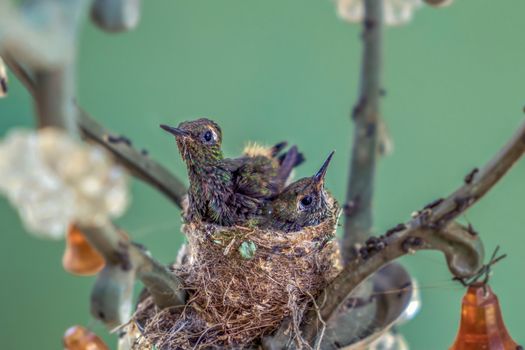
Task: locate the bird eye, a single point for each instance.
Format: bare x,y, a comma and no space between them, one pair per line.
306,201
208,136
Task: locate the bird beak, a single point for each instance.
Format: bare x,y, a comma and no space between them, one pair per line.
319,177
175,131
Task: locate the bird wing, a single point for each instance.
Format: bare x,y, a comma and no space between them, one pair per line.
287,162
253,177
283,162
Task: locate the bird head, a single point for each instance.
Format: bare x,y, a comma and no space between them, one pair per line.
305,201
199,141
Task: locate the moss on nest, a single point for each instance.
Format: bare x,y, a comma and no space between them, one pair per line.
242,283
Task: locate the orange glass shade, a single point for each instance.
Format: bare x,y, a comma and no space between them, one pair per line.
481,326
79,338
80,258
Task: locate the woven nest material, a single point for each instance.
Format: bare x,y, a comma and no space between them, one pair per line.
242,283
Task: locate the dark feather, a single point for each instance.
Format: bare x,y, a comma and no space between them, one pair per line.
276,149
286,167
299,159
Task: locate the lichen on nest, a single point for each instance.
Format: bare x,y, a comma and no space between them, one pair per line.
242,282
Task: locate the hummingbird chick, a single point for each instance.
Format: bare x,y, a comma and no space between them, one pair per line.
303,203
226,191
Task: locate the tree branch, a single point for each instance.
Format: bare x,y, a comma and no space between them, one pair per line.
358,206
48,74
54,98
42,35
138,163
23,76
431,228
165,287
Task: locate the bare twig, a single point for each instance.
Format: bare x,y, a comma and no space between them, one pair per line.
42,35
125,260
138,163
430,229
54,98
43,58
358,206
23,76
164,286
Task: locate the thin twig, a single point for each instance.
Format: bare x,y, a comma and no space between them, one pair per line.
165,287
21,73
430,229
162,284
138,163
53,92
43,58
365,150
483,272
317,345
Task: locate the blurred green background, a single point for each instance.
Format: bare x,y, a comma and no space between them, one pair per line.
288,70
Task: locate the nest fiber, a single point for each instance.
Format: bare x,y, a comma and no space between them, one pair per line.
242,282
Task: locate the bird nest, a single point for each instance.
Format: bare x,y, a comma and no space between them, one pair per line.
242,282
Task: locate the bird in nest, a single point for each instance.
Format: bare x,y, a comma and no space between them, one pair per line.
303,203
227,191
